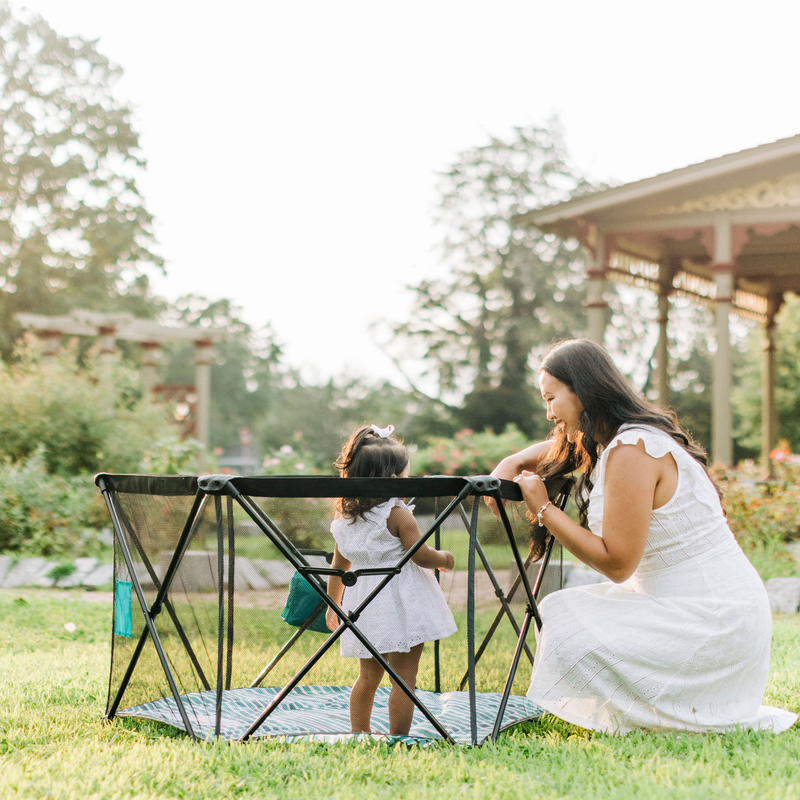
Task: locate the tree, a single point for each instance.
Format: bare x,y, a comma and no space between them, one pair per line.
509,291
318,419
74,231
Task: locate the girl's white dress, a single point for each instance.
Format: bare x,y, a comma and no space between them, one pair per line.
683,644
410,609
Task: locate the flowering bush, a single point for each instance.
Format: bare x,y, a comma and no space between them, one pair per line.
764,515
289,460
467,453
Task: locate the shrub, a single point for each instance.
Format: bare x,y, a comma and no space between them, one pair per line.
764,515
86,415
47,515
169,455
293,460
467,453
306,521
64,419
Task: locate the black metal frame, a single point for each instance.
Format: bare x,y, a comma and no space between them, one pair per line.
243,490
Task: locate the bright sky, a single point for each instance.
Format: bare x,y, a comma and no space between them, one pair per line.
293,147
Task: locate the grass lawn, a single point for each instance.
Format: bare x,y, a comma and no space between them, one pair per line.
53,687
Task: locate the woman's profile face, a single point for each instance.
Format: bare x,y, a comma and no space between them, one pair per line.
563,406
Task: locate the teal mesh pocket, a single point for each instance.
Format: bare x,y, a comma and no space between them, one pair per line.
123,621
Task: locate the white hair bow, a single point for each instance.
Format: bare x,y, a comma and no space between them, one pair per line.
383,432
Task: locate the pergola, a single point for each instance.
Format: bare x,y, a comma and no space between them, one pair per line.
725,231
151,335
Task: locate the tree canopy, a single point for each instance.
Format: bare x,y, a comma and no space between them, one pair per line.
508,290
74,230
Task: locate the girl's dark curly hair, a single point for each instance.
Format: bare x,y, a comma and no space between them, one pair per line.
608,403
366,454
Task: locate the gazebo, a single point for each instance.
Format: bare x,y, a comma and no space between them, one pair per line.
724,231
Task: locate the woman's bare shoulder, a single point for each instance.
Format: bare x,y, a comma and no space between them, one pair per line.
631,457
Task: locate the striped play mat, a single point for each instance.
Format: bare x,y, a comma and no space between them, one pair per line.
321,713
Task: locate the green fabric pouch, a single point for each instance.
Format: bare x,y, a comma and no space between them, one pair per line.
301,604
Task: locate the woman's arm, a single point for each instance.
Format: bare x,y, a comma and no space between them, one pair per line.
401,523
528,459
335,588
513,465
632,479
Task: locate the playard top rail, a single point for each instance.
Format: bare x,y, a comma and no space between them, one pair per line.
317,486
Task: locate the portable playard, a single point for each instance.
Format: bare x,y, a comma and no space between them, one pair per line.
219,605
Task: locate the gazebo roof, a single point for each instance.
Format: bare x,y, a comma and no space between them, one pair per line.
671,218
633,200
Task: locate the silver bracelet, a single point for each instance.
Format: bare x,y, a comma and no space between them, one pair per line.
541,511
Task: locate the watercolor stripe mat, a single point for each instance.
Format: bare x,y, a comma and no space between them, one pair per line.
321,713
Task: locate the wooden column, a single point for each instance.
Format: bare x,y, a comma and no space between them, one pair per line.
202,364
724,278
769,411
665,275
595,304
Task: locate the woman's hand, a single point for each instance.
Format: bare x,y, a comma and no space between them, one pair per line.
331,619
534,492
505,470
514,465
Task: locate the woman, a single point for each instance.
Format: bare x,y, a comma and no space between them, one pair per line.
680,639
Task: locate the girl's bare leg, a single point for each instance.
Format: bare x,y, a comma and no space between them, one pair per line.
401,707
362,695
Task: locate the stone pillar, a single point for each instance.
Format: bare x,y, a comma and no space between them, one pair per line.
724,279
665,274
151,353
769,411
595,304
202,362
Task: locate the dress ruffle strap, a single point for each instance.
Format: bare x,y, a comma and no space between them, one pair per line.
656,445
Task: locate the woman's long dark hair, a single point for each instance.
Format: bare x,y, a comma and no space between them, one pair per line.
367,454
608,402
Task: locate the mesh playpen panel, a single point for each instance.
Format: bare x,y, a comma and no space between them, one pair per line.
213,563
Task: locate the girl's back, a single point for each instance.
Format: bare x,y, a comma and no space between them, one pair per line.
410,609
366,540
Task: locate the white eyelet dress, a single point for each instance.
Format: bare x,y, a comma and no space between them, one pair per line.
683,644
409,610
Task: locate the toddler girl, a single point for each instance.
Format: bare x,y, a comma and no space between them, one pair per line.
411,609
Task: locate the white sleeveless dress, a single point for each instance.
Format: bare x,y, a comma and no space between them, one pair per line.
683,644
409,610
